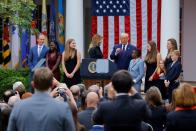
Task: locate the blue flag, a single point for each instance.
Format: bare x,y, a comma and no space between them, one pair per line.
24,47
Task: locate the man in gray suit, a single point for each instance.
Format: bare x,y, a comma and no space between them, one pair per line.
41,112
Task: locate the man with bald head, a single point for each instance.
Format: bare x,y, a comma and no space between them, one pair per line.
121,53
85,117
37,53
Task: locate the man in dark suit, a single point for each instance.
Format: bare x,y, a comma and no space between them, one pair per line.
173,73
121,53
41,112
37,53
124,113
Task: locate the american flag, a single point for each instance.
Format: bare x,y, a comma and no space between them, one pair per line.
141,19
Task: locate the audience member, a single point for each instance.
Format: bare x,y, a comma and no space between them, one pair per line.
26,95
71,59
7,94
184,116
123,113
85,117
136,69
13,100
154,100
19,87
41,111
75,90
94,50
121,53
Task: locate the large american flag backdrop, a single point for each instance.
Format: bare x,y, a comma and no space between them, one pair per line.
141,19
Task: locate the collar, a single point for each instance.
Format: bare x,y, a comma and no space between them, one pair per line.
121,94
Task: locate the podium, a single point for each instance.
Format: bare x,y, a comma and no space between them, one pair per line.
97,71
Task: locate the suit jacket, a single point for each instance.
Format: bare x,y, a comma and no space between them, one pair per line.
183,120
136,69
123,58
33,55
95,52
123,114
41,113
173,71
85,117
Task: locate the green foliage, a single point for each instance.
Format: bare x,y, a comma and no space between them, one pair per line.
19,12
8,77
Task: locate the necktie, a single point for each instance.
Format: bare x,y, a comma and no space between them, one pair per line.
123,47
39,50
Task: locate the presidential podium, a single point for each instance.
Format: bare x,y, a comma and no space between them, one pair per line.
97,71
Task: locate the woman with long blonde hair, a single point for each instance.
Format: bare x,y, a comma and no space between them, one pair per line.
71,59
152,60
94,47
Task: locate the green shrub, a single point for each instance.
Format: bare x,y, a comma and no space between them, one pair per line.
8,77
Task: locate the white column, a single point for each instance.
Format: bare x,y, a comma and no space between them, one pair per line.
170,23
74,23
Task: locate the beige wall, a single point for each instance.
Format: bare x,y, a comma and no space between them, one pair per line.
189,40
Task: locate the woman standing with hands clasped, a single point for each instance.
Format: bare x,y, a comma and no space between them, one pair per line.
152,60
71,59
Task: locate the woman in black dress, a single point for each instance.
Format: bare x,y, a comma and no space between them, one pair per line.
94,47
71,59
171,46
152,60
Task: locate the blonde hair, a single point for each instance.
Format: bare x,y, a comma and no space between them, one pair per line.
151,56
96,39
68,52
185,96
153,96
176,52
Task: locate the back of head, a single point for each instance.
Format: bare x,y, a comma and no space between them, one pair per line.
122,81
26,95
18,86
92,99
153,96
93,88
42,79
12,100
75,89
185,96
7,94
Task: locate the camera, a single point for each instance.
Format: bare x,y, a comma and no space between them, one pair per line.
62,93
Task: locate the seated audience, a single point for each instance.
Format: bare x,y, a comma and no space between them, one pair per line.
41,111
85,116
75,90
154,100
26,95
184,116
19,87
124,113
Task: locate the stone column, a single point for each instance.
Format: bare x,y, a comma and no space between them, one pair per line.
170,23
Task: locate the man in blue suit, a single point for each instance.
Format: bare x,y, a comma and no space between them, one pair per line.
121,53
41,112
37,53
